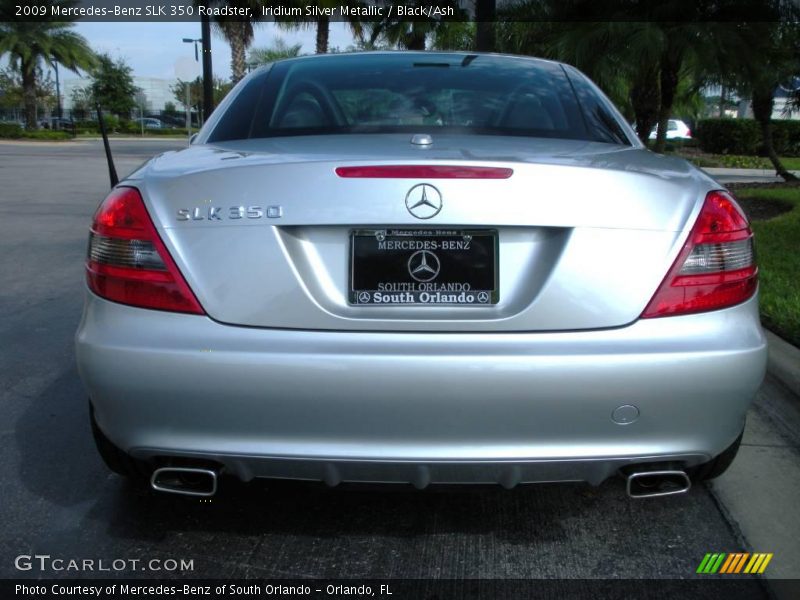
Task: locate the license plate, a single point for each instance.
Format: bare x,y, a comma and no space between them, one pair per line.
425,267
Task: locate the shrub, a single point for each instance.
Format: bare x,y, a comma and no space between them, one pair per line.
129,127
728,136
734,161
14,131
10,130
786,137
743,137
112,123
46,134
168,131
87,127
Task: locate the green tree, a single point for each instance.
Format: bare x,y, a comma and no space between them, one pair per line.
29,45
321,23
238,32
644,55
239,35
112,86
195,87
457,35
618,55
773,49
12,93
195,93
277,51
82,101
392,32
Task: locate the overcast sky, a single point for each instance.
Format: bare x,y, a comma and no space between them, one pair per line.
152,49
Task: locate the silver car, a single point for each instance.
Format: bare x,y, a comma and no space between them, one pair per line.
420,268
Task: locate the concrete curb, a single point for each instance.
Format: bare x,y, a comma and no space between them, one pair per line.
784,362
738,172
78,140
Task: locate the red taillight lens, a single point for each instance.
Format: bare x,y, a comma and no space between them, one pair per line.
128,262
716,267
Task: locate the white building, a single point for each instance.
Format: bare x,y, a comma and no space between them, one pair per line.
156,91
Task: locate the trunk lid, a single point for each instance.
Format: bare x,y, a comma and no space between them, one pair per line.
261,229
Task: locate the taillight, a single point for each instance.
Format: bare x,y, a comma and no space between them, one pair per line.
716,267
127,261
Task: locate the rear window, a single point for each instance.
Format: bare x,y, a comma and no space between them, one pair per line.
397,93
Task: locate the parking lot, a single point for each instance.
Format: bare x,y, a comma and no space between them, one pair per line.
60,500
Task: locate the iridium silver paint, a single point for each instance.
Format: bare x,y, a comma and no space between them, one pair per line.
560,380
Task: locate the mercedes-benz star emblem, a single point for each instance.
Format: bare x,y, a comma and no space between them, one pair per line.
424,201
423,266
364,297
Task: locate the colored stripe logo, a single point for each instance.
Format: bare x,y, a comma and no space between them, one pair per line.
733,563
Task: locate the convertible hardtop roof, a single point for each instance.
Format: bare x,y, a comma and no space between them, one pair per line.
423,53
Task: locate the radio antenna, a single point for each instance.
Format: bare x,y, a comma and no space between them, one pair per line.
112,172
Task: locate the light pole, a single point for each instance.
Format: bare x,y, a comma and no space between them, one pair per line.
189,85
141,98
208,77
58,95
195,42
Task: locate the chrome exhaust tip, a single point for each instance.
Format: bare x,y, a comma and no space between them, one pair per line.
187,481
652,484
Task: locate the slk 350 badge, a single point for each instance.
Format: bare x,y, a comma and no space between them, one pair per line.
218,213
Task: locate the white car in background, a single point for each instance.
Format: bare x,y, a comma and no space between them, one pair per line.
676,130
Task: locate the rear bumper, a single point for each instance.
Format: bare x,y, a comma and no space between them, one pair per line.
420,407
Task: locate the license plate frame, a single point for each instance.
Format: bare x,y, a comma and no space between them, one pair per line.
424,267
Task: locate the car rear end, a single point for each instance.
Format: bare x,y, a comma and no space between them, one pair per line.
418,303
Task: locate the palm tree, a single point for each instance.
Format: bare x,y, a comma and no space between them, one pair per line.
277,51
770,59
620,57
321,23
410,34
457,35
485,34
238,32
30,44
239,35
642,62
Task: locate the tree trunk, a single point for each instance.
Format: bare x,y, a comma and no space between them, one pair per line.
485,12
29,93
762,112
670,72
644,96
723,92
416,38
323,30
238,60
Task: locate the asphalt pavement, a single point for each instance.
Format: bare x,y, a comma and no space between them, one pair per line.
60,500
